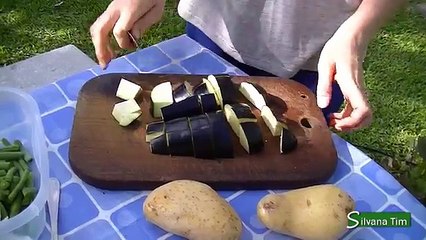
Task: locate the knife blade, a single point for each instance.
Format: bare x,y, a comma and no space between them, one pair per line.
133,39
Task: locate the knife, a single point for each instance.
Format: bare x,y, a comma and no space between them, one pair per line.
133,39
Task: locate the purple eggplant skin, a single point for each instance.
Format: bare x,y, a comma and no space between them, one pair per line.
159,146
185,108
242,110
208,102
181,92
254,136
202,137
288,141
222,138
177,124
180,143
227,88
155,127
200,89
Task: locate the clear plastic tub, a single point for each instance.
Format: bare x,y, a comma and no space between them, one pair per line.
20,119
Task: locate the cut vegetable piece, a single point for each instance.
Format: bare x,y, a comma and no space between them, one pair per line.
127,90
222,139
158,145
161,96
288,141
182,92
243,112
208,102
126,112
154,130
185,108
178,124
211,89
252,94
215,84
251,138
201,89
180,143
232,119
271,121
202,137
227,89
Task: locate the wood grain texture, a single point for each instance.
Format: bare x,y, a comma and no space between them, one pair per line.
109,156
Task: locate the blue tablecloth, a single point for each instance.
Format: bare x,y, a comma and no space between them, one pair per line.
90,213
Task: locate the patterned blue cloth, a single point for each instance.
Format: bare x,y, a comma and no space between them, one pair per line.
90,213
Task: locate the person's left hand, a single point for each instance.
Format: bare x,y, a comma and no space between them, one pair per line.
341,60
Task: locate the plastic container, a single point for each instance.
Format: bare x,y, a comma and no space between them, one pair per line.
20,119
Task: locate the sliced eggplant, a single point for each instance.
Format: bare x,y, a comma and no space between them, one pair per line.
176,125
251,138
222,139
208,102
227,89
201,89
185,108
182,92
243,112
288,141
158,145
154,130
213,87
161,96
271,121
180,143
202,137
252,94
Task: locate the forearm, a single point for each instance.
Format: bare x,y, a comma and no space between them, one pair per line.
371,15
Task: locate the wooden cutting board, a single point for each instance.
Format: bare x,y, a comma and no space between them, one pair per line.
109,156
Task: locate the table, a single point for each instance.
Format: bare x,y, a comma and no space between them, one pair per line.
90,213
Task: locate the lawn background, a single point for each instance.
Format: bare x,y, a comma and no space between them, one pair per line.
395,70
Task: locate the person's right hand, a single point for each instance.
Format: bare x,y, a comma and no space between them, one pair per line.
121,17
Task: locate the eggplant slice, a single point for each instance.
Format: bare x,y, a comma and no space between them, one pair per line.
227,89
202,137
222,139
159,146
243,112
185,108
288,141
181,92
208,103
251,138
201,89
154,130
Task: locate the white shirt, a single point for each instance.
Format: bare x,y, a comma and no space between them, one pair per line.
278,36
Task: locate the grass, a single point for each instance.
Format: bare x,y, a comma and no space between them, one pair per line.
394,70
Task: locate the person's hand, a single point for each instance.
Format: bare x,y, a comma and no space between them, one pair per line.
341,60
122,17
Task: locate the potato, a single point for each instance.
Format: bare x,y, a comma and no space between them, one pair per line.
192,210
311,213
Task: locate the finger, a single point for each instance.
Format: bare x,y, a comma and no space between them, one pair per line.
99,32
146,21
347,110
355,97
326,70
124,24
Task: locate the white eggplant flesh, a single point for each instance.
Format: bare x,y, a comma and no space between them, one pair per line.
161,96
212,79
271,121
252,94
127,90
126,112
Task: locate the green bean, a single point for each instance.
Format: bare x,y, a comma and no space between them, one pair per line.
10,173
2,172
19,167
19,186
23,164
16,205
4,184
5,165
3,211
28,192
27,156
30,180
5,142
11,155
11,148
